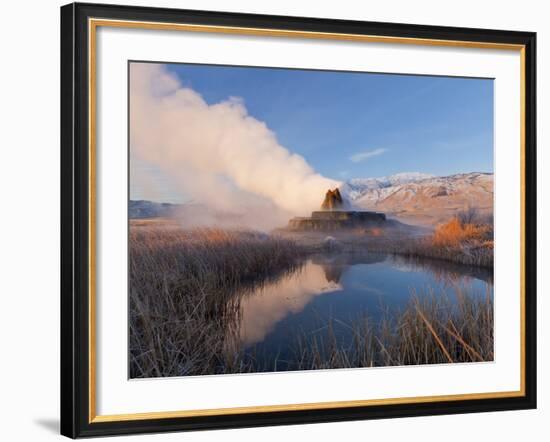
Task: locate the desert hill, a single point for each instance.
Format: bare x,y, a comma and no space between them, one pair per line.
423,199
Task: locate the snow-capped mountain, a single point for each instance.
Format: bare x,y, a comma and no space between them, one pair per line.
422,198
355,188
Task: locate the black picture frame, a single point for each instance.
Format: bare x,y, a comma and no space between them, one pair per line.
75,220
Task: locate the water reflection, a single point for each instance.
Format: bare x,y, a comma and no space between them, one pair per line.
270,303
446,272
341,287
334,265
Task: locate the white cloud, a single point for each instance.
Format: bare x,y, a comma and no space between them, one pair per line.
365,155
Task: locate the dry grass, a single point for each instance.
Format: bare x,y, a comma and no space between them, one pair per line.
454,233
465,239
432,329
183,312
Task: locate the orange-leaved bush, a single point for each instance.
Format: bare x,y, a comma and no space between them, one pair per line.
454,233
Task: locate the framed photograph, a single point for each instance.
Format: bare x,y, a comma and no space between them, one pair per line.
274,220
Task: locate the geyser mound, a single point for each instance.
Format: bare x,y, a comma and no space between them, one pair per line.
333,217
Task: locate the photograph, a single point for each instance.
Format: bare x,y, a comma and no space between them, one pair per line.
284,219
275,221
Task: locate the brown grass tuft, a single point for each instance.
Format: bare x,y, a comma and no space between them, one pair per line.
454,232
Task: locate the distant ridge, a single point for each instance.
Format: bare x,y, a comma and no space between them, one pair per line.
421,198
149,209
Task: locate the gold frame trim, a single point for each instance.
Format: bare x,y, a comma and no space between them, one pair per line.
93,24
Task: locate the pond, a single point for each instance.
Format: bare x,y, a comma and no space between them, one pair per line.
318,301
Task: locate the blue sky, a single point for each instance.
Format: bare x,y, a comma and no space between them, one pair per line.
353,125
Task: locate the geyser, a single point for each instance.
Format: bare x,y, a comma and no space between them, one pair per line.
330,217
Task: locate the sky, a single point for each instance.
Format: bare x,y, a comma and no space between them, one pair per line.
355,125
436,125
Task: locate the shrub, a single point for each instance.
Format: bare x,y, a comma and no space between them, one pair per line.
455,232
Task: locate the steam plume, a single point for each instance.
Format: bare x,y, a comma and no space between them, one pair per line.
217,154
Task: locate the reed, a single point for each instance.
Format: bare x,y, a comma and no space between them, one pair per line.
183,311
432,329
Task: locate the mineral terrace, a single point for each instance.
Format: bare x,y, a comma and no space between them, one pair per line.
333,216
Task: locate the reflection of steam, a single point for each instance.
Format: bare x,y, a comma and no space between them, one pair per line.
217,154
273,302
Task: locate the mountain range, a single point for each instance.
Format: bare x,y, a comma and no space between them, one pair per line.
138,209
420,198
